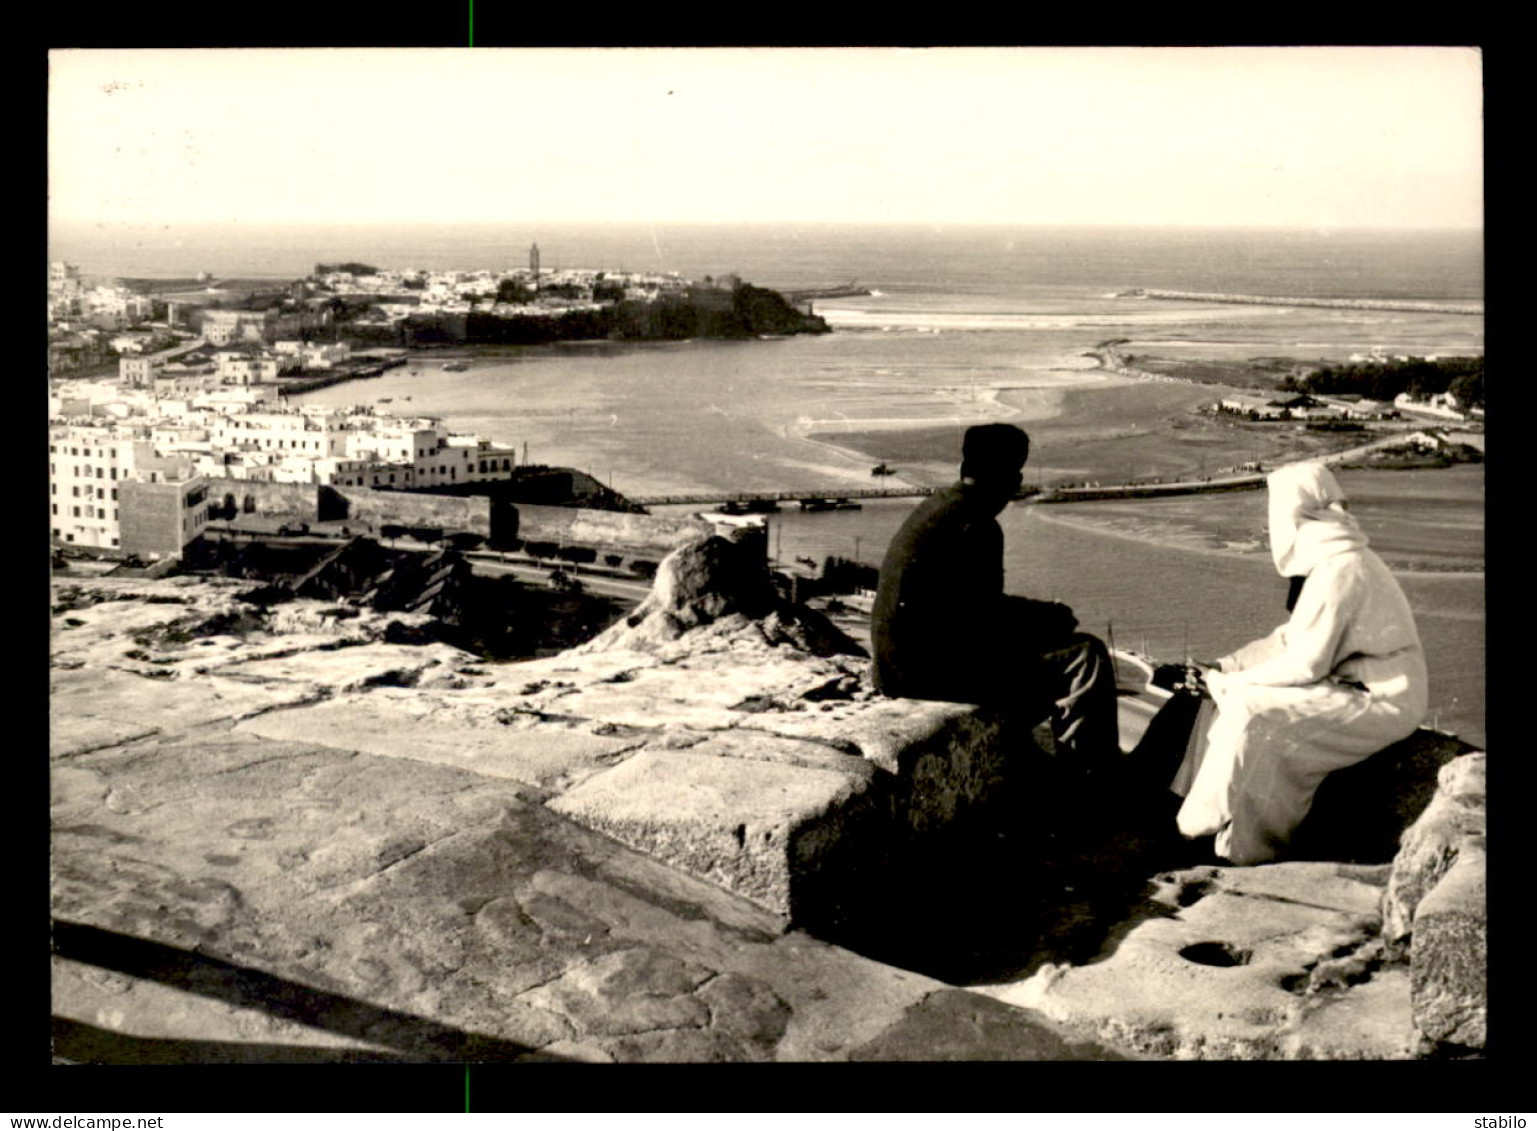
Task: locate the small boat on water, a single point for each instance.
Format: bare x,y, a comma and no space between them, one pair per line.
882,469
455,366
749,506
830,505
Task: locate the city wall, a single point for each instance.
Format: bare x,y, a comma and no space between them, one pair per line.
652,536
290,500
615,531
452,513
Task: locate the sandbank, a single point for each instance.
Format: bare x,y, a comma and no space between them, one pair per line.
1173,535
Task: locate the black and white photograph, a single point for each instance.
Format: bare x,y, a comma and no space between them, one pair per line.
766,555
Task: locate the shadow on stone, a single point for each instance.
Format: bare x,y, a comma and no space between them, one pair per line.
1056,870
1360,812
241,986
80,1043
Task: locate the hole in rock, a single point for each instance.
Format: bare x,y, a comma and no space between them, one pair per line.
1215,954
1296,983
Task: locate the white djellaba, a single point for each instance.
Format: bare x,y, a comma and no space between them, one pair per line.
1343,678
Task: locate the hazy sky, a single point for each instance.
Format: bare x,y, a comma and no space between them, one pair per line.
1336,137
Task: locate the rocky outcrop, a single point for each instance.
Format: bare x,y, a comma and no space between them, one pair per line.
1435,906
1431,845
1449,960
719,587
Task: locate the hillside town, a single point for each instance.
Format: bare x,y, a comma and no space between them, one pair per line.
162,392
92,322
155,398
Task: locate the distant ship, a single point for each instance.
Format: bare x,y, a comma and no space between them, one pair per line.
455,366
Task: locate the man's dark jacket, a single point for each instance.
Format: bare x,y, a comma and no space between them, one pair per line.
941,626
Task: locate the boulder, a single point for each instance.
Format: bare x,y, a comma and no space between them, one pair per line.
1449,961
1360,813
1431,845
722,584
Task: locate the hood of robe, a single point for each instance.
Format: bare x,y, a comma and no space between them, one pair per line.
1308,519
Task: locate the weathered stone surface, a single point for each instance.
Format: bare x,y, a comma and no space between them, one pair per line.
754,826
314,904
376,665
131,660
1449,960
722,583
711,690
765,746
303,842
1368,1019
451,730
747,1009
1431,845
91,708
885,731
951,1025
1227,972
635,990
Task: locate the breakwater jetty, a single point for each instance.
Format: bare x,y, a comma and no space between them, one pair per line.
852,289
1247,482
758,501
1115,361
764,497
1294,300
293,385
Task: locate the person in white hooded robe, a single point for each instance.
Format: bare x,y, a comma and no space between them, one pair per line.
1343,678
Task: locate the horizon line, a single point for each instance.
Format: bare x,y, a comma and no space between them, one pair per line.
1293,225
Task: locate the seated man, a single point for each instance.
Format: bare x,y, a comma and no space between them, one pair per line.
943,628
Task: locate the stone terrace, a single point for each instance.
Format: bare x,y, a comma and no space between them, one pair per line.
278,837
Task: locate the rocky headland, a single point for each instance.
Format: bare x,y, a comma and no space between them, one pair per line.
281,835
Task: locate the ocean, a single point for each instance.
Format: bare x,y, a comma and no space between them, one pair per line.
965,323
990,262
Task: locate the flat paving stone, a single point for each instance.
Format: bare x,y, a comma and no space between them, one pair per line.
753,825
424,728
